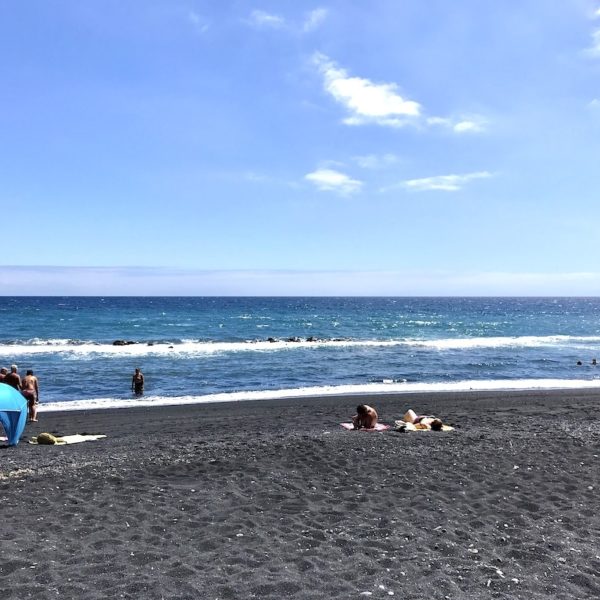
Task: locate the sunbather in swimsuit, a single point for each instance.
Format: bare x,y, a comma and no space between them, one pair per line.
425,420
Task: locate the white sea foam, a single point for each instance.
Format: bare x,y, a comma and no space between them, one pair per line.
530,341
363,389
192,348
184,348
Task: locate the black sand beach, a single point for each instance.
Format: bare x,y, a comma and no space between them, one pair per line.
273,499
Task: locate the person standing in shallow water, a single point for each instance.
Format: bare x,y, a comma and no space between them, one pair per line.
137,383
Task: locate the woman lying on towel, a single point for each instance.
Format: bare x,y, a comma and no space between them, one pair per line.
425,421
365,417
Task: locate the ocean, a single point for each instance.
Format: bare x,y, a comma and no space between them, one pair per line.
206,349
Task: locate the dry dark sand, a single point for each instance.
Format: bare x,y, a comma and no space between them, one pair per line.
274,500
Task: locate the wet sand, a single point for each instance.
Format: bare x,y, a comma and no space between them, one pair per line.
273,499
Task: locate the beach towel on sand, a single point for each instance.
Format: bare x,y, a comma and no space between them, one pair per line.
378,427
404,426
48,439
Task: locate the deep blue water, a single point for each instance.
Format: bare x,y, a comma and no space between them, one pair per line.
197,347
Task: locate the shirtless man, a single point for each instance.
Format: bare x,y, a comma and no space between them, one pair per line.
365,417
137,383
31,391
13,378
3,372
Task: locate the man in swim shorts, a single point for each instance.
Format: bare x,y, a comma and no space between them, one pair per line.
137,383
31,391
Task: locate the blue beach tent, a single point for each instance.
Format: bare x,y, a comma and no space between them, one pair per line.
13,413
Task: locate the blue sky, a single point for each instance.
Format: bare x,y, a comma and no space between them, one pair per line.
293,147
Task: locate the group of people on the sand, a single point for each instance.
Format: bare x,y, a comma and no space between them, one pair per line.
28,386
366,418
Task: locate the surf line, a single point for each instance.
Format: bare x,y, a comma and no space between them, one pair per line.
340,390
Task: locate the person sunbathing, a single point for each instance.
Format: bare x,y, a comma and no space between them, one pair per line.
365,417
426,421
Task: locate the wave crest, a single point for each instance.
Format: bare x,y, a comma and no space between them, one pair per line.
191,348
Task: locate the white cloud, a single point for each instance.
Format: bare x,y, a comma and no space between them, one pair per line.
200,23
264,20
260,18
314,19
468,126
474,124
329,180
374,161
446,183
594,49
367,102
439,121
381,104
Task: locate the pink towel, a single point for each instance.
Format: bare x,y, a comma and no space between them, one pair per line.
378,427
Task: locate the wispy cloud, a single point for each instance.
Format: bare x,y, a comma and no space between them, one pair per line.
374,161
262,19
472,124
314,19
199,23
259,178
255,177
594,49
445,183
329,180
366,101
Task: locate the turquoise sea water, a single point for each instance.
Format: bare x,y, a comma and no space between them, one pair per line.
201,349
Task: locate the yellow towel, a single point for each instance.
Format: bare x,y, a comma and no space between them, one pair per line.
49,439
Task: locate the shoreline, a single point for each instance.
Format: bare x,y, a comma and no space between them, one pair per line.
271,498
475,386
